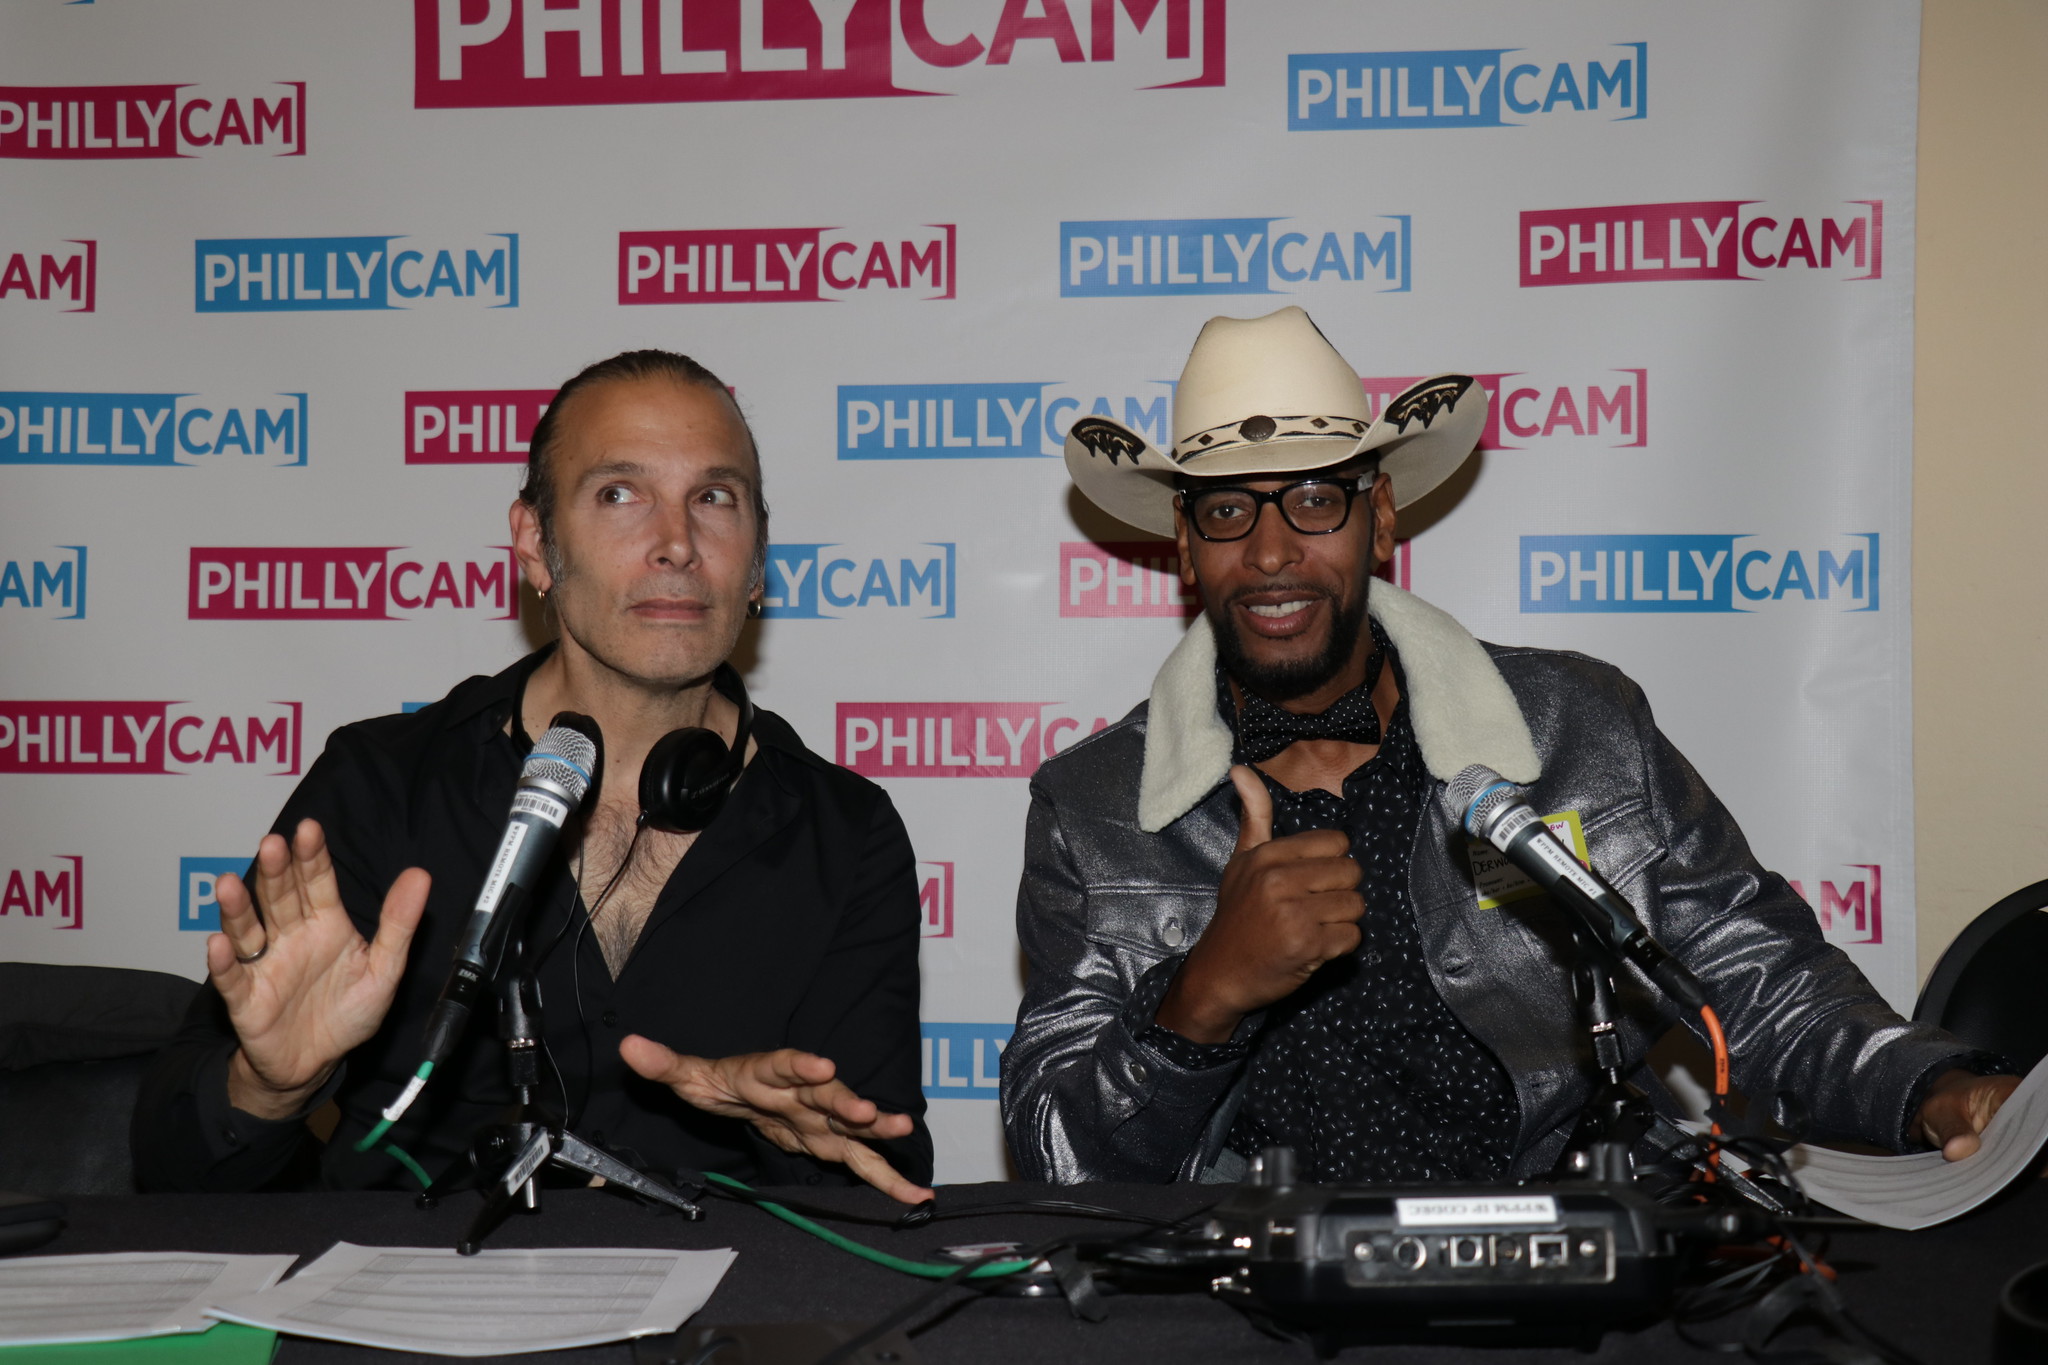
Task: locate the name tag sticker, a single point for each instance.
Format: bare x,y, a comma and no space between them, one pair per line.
1464,1211
1496,881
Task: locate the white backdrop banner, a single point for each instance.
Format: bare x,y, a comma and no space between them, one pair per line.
283,290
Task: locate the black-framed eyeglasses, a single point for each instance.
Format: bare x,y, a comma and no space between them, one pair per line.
1313,507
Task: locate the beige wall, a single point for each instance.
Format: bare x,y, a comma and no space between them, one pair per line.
1980,483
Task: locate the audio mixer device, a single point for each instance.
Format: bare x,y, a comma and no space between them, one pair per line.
1517,1263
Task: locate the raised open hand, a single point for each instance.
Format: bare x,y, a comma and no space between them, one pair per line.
302,987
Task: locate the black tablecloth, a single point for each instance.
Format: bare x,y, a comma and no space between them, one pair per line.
1930,1292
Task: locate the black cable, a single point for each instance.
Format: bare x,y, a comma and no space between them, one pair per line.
570,1114
854,1345
926,1213
850,1348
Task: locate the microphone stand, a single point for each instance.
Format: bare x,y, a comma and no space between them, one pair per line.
518,1147
1616,1115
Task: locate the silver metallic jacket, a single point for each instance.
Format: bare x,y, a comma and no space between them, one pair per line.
1130,829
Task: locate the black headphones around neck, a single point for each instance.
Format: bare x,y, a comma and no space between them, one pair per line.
688,774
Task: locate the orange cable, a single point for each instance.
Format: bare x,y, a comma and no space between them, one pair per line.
1720,1042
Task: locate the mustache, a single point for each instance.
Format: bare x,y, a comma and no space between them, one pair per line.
1287,585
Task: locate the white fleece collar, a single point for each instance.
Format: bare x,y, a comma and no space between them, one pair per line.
1459,704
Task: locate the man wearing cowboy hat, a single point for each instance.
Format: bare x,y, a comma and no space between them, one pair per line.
1252,922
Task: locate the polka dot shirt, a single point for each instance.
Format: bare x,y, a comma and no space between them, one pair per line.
1364,1071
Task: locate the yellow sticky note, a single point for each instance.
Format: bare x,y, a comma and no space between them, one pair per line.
1497,881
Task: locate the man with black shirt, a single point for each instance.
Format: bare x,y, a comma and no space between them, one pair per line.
741,1000
1249,919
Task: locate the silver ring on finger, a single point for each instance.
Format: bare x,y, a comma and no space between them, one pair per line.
246,960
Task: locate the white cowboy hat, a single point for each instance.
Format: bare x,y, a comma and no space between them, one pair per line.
1270,395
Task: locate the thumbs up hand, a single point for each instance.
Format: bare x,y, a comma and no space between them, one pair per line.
1285,907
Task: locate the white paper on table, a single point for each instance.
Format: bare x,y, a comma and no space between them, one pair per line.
50,1300
497,1302
1921,1189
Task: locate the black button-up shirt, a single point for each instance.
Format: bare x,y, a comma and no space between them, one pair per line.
1364,1071
792,921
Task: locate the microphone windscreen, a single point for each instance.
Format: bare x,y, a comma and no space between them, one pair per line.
565,757
1482,785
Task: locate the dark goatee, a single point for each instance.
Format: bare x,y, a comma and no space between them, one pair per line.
1282,683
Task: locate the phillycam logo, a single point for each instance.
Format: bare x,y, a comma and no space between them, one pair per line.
49,892
1124,578
472,53
1544,408
472,426
348,583
1696,573
956,738
64,273
964,1061
51,584
787,265
129,737
1850,909
349,274
198,898
1135,257
828,581
215,430
985,421
935,899
111,122
1496,87
1732,239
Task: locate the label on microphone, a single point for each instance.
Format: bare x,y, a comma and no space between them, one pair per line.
1496,881
501,866
1552,855
527,801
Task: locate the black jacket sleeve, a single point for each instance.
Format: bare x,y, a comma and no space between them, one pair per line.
185,1135
861,1010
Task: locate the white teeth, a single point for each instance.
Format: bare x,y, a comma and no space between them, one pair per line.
1279,609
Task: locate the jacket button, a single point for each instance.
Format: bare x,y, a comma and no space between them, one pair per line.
1171,934
611,1018
1138,1073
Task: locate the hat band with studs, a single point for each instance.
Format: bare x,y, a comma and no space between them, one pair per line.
1261,429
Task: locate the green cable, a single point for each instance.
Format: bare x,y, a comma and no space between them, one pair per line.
398,1107
404,1159
931,1270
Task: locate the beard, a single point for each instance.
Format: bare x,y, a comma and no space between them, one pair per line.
1283,682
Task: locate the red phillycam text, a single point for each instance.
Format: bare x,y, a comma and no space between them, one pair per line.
954,738
1710,239
70,277
472,426
935,899
344,583
133,737
494,53
784,265
56,897
1618,407
119,122
1853,912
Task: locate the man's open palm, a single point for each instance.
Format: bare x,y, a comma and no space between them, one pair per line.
318,990
794,1101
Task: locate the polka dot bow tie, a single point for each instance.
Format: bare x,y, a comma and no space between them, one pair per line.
1263,729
